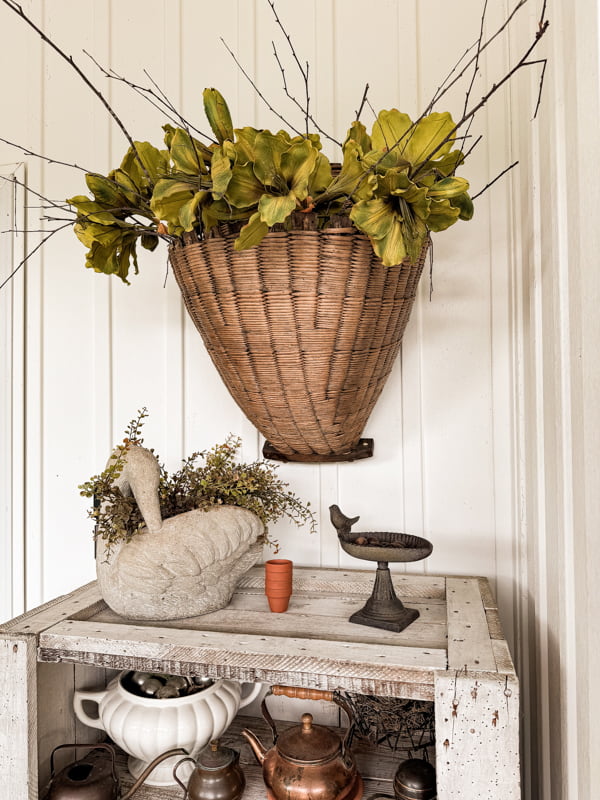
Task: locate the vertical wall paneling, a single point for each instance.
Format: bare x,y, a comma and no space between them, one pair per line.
483,435
12,393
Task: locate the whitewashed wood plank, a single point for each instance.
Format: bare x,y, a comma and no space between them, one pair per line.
372,669
469,644
312,618
350,581
18,718
77,604
487,596
56,723
494,624
477,735
504,662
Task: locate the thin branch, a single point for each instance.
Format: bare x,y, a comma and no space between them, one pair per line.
303,72
491,183
26,151
14,6
477,55
362,102
297,103
543,61
256,89
475,66
160,103
32,252
445,87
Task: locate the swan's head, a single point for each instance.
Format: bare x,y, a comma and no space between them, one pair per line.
140,476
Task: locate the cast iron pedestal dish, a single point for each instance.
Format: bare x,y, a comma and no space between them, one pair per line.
383,609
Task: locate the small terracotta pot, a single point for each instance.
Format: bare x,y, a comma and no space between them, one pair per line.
278,583
278,604
278,566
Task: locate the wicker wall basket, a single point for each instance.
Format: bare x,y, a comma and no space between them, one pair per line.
303,329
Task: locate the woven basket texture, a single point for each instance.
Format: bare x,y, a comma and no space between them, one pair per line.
303,329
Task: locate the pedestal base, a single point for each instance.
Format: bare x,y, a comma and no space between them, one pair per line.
383,609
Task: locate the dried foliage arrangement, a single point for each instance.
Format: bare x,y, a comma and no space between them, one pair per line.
206,479
396,183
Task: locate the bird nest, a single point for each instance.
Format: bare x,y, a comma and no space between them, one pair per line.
401,725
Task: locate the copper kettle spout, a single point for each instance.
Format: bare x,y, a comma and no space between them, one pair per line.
259,750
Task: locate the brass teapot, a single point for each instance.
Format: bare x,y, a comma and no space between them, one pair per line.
217,774
307,761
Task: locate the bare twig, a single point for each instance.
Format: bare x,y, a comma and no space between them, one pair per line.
14,6
157,99
362,102
475,66
256,89
445,86
303,70
32,252
543,25
295,101
491,183
543,61
26,151
477,55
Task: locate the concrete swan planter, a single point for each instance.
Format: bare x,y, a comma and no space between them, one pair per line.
178,567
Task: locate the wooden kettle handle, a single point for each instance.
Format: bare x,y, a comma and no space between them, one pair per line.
302,693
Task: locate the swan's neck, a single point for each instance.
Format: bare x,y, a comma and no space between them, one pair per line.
141,477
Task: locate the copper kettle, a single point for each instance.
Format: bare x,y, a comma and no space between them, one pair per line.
307,761
94,777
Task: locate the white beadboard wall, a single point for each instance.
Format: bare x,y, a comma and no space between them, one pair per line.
465,450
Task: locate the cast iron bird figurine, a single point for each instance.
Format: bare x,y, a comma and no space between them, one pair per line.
342,523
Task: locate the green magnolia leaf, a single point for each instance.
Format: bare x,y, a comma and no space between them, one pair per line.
382,225
115,259
464,204
103,234
357,133
441,215
244,189
154,161
252,233
448,187
91,211
273,208
105,191
220,172
244,144
445,166
373,217
428,134
268,149
149,241
321,176
297,165
395,132
352,179
187,153
129,189
391,127
218,115
188,216
214,211
168,198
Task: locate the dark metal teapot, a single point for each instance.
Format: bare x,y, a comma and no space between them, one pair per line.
94,777
307,761
217,774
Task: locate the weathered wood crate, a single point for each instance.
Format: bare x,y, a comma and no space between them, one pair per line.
454,654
